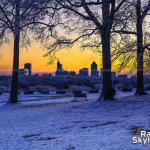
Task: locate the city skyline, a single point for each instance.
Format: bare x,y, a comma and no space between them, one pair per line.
92,71
69,58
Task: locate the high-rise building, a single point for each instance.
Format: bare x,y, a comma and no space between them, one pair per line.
21,72
59,70
59,66
28,69
84,72
94,71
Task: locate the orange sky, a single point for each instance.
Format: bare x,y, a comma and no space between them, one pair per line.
72,58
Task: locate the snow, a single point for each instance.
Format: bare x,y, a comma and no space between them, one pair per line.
60,124
32,97
58,97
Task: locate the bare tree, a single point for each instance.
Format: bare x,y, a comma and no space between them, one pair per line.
88,19
140,15
137,40
16,19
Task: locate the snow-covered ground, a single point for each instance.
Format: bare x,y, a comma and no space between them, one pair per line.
33,97
59,124
37,96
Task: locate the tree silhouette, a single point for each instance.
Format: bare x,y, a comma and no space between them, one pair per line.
98,18
136,27
17,17
140,16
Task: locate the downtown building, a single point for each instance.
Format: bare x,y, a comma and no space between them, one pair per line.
61,72
26,71
94,70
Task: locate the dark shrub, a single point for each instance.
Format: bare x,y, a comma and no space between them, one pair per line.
94,91
80,95
28,92
61,92
147,86
77,92
44,92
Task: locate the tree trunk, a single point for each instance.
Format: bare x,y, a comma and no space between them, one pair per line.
107,90
14,83
140,51
15,72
